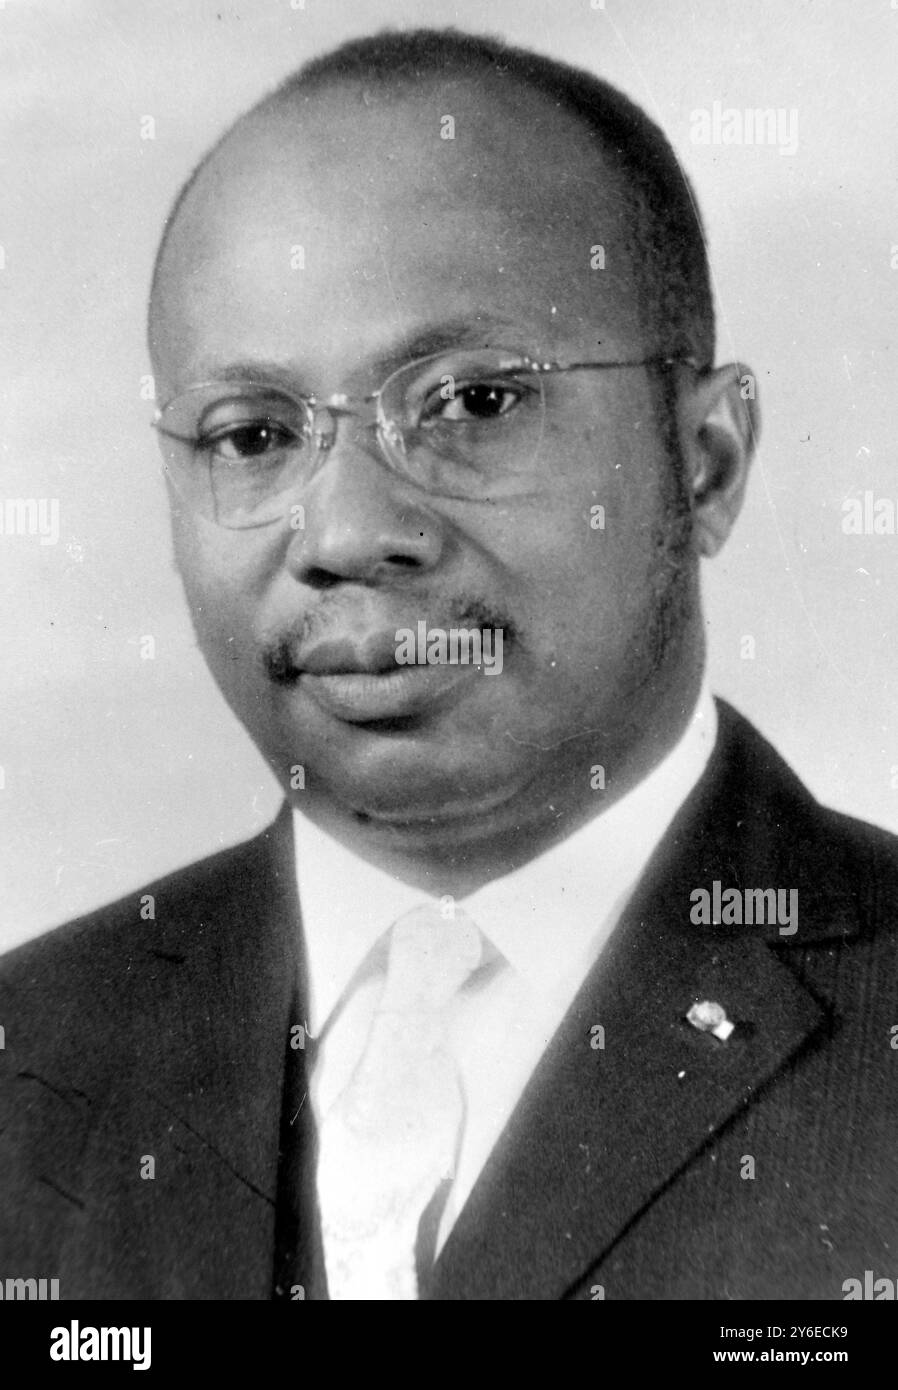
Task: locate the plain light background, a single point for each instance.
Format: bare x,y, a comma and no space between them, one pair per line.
117,768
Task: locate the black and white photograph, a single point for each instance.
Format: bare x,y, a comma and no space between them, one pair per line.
449,735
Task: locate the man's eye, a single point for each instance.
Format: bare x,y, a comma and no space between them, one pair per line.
253,440
477,400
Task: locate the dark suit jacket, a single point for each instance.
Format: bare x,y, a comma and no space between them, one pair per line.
624,1168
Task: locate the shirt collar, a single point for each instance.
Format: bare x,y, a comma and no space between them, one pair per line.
347,904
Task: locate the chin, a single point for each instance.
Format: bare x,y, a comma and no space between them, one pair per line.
402,786
429,808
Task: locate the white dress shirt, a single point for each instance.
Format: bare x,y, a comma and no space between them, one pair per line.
548,921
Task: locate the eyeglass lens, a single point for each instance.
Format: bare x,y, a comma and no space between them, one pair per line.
456,425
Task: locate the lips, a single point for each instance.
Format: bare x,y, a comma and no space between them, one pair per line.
362,698
374,657
360,682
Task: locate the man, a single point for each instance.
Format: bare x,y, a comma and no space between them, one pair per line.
550,980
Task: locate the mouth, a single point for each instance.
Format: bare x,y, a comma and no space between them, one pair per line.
364,697
362,684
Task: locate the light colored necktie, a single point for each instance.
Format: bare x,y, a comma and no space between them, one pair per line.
391,1138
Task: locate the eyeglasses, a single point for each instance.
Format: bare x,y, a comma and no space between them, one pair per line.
466,425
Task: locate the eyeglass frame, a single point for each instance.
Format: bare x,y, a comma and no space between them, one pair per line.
340,403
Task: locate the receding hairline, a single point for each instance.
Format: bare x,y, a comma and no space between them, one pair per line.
387,62
297,90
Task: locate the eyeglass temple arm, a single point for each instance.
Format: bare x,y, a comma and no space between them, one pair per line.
687,361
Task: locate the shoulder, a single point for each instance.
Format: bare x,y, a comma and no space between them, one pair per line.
92,965
753,815
188,891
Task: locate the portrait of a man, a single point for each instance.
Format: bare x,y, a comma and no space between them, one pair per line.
550,979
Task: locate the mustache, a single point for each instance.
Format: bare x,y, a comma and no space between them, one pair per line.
279,651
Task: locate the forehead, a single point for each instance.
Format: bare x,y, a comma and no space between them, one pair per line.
346,218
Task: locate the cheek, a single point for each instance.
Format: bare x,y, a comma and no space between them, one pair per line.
591,551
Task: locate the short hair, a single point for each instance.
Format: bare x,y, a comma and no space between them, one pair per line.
669,251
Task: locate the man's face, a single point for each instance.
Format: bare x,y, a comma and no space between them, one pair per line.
408,240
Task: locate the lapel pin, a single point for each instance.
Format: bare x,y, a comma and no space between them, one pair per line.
709,1017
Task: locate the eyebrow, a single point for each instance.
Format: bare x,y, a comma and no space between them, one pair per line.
453,333
423,342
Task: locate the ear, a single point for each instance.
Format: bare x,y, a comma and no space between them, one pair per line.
719,426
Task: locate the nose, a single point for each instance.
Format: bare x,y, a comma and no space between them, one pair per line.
360,521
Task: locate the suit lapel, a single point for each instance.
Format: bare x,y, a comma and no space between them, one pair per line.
299,1271
195,1093
601,1131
